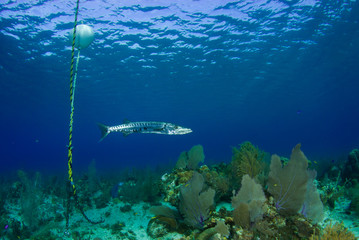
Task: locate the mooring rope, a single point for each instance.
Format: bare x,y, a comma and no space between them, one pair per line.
73,76
69,156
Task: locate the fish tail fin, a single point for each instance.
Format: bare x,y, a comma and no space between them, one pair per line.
104,130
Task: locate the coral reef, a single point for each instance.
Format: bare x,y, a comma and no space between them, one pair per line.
247,159
191,159
30,199
290,213
351,168
293,186
249,202
217,179
221,228
331,190
185,203
353,193
312,207
196,201
288,184
334,232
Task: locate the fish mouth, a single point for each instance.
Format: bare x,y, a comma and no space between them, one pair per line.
182,131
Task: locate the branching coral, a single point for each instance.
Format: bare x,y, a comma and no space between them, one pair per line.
332,190
334,232
248,159
217,180
30,199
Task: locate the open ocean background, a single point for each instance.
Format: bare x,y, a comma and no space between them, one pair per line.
275,73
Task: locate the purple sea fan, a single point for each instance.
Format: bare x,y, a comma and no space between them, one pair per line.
251,194
288,184
312,206
194,203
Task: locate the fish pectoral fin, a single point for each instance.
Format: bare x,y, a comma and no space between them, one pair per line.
125,134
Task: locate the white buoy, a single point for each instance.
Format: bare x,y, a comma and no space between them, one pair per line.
84,36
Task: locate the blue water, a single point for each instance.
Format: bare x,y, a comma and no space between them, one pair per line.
272,72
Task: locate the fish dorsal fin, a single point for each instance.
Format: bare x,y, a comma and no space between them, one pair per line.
125,121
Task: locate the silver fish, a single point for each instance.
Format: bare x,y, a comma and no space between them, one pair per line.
143,127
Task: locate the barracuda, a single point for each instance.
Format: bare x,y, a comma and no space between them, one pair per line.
143,127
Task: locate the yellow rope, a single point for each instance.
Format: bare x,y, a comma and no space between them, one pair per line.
73,76
69,155
72,92
72,100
